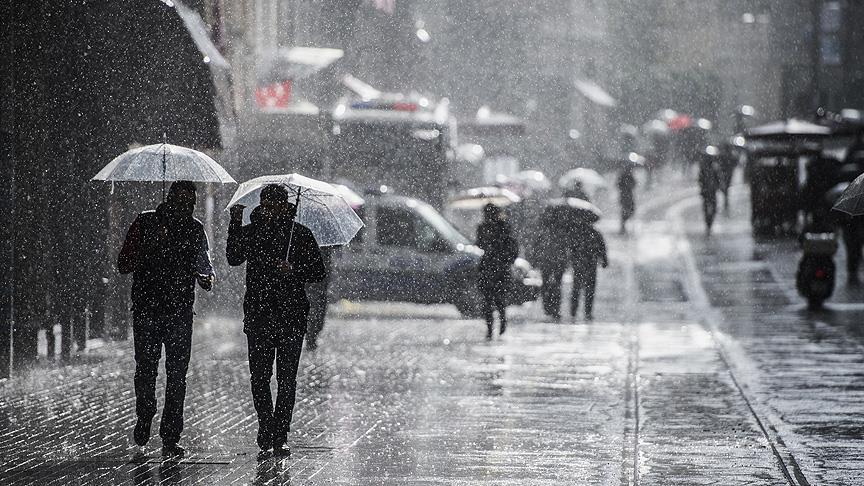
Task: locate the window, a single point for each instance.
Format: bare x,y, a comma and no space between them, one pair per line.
395,227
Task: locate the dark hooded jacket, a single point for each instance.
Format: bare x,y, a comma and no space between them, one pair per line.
164,249
261,245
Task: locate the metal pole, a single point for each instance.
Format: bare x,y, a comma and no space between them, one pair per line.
816,16
293,221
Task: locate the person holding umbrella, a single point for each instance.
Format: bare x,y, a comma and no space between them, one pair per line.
166,251
282,256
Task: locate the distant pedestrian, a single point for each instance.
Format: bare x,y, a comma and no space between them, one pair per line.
587,250
500,250
709,184
282,257
317,294
626,184
549,254
166,251
727,163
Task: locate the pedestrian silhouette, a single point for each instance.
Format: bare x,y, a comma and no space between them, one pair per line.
626,184
281,257
549,254
500,249
587,250
727,163
166,251
709,184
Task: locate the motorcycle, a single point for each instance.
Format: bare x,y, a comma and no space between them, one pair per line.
816,270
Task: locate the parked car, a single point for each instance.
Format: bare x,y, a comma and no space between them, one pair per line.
408,252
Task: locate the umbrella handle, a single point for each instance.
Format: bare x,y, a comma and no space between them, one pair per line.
293,221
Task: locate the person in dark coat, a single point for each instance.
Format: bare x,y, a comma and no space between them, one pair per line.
281,257
587,250
626,184
500,249
727,163
709,184
166,251
317,294
549,254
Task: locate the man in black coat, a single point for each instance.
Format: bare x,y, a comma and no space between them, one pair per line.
282,257
166,251
587,250
500,250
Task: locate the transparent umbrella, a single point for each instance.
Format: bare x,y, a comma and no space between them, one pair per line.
321,207
852,200
163,162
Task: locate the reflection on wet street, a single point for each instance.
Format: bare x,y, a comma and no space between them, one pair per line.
700,368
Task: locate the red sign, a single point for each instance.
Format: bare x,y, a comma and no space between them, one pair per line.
276,95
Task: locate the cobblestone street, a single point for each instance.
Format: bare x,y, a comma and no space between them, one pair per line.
700,368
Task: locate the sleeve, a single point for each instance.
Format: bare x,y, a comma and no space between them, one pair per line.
235,248
204,264
310,266
127,260
601,249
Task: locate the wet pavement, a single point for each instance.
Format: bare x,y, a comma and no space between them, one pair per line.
700,368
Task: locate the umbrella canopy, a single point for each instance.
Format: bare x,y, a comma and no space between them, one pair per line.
787,130
163,162
587,177
852,200
320,206
479,197
354,200
832,195
571,209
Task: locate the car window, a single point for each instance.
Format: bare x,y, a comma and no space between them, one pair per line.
441,226
395,227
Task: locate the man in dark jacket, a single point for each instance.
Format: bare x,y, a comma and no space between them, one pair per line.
500,249
282,257
709,183
166,251
549,253
626,184
587,250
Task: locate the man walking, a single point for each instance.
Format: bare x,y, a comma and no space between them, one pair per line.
282,257
587,250
166,251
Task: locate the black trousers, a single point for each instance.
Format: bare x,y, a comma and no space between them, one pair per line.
551,291
584,279
493,287
150,333
280,337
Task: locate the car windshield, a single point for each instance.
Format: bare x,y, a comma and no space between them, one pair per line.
444,228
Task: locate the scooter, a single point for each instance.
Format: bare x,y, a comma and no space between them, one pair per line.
816,270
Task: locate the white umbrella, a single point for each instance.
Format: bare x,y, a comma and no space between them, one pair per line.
587,177
163,162
321,207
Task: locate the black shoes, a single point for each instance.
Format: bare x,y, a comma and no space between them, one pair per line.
142,432
173,451
281,450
